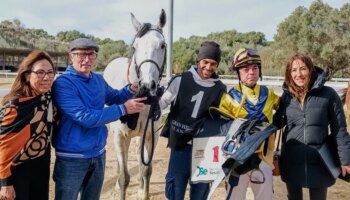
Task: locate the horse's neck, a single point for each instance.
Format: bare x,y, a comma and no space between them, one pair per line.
131,72
116,72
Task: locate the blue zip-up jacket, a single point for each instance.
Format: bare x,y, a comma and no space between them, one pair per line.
82,113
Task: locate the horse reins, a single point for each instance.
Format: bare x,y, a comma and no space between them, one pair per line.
153,102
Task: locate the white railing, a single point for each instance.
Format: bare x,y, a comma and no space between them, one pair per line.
281,78
337,83
7,74
226,79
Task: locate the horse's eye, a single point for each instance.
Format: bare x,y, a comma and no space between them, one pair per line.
162,46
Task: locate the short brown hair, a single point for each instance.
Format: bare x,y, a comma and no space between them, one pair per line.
21,87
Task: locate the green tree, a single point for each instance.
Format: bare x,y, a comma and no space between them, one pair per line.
68,36
321,31
110,50
186,50
39,33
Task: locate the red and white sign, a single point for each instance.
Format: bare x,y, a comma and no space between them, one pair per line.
207,158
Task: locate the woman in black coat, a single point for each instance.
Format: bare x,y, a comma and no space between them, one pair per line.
309,110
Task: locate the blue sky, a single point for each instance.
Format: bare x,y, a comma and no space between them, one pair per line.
111,18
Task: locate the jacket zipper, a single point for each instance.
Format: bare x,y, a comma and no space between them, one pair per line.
305,152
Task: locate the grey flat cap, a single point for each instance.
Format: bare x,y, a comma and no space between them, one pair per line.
83,43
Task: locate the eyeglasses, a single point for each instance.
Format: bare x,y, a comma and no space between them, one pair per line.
83,55
42,73
257,176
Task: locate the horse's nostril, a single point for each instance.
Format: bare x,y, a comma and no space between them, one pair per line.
144,88
153,85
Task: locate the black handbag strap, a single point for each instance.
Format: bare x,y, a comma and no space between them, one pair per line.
279,139
283,100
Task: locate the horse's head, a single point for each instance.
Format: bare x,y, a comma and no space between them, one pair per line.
149,53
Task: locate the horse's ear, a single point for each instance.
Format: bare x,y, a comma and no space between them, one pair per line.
137,25
162,19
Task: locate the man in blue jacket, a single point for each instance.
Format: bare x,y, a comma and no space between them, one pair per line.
80,96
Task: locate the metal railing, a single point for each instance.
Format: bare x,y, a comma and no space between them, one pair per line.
227,79
281,78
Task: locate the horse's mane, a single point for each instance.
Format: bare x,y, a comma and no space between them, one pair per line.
144,29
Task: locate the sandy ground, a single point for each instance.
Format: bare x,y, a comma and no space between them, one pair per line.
339,191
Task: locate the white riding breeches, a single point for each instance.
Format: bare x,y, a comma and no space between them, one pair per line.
262,191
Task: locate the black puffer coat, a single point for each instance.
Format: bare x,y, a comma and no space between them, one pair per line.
307,128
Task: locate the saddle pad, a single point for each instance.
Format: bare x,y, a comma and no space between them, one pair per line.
207,158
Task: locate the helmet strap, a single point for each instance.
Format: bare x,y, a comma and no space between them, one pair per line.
260,72
239,80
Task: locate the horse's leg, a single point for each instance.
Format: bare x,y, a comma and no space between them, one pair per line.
121,143
146,171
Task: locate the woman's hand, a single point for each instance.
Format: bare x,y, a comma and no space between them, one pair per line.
135,105
134,87
345,169
7,192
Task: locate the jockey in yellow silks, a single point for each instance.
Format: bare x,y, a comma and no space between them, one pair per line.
251,101
256,103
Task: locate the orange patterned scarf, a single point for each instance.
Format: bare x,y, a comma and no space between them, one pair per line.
26,126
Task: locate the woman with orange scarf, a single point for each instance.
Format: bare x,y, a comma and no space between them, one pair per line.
26,124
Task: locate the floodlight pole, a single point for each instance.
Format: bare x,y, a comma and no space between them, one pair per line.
169,64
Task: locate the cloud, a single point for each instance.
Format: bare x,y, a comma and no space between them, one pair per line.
111,18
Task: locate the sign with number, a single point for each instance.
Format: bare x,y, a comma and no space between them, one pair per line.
207,158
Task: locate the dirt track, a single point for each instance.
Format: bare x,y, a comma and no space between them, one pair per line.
339,191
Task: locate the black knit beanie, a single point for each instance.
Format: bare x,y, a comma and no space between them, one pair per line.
209,50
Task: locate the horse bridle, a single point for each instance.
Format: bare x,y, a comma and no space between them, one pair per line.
146,28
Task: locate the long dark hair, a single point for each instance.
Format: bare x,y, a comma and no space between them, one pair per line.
21,87
297,91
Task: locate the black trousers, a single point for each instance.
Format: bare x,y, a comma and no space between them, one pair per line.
31,179
296,193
